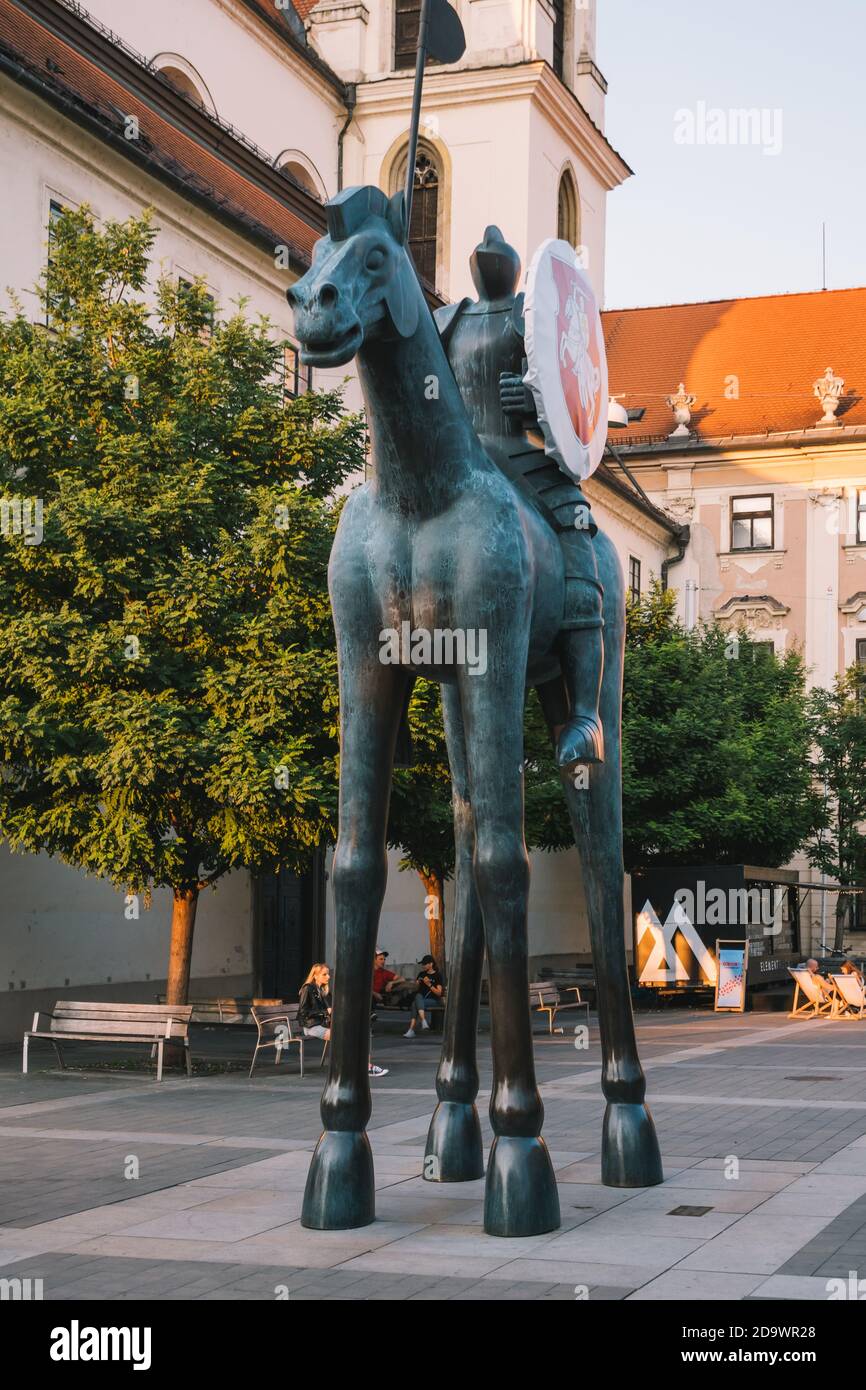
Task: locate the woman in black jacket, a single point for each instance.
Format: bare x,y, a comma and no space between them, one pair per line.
314,1010
314,1003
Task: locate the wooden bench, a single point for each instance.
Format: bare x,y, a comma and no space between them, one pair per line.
228,1010
545,997
94,1021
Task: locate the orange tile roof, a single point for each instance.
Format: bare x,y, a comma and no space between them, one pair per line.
771,349
69,74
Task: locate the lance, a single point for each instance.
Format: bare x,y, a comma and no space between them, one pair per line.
440,36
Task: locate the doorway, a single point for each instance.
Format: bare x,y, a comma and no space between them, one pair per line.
290,928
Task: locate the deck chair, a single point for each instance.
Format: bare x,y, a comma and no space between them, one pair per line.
816,1004
849,999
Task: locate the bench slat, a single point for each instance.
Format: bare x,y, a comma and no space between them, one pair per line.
109,1028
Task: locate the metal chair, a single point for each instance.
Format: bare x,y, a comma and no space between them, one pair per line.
274,1024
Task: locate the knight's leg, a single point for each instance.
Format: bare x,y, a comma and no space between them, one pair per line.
581,652
520,1197
340,1191
630,1151
454,1151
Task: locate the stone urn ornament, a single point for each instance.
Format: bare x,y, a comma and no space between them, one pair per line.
828,390
681,403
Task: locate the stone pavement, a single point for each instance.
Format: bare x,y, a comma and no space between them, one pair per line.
115,1187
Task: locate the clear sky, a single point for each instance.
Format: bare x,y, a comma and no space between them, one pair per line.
708,220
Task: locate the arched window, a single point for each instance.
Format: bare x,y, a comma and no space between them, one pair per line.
424,223
568,210
183,84
184,78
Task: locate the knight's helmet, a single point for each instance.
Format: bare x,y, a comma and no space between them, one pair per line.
495,266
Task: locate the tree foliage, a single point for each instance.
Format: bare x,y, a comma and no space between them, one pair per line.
838,845
167,668
715,744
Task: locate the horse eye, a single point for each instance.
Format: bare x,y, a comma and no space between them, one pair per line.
376,259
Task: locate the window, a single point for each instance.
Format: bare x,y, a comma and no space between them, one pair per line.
424,224
183,84
633,579
861,651
568,210
56,209
559,38
407,19
301,176
296,378
184,286
751,523
763,651
861,516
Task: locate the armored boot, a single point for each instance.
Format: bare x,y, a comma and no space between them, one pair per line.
581,654
580,645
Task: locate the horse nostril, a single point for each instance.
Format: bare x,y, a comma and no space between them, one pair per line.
328,295
294,298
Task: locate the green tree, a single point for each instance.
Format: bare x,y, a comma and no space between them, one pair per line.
167,670
838,845
715,744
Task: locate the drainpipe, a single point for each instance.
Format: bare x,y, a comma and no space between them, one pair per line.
682,540
351,99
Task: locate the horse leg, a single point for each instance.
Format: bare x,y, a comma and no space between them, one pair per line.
630,1151
520,1196
340,1187
454,1151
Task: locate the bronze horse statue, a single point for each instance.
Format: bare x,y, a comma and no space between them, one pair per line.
441,540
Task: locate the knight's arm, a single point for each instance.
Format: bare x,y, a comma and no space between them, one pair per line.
515,398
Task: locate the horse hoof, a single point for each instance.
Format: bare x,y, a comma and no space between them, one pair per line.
630,1155
340,1192
580,741
520,1197
454,1151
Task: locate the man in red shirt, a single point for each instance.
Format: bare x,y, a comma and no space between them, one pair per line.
385,982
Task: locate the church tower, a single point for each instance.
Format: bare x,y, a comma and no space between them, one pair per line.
513,133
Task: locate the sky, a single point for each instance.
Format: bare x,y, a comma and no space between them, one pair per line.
702,219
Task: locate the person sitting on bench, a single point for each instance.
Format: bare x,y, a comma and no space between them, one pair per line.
430,990
388,986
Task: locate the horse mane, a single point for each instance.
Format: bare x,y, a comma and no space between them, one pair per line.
350,210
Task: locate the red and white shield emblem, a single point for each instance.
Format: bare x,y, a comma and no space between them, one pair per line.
567,361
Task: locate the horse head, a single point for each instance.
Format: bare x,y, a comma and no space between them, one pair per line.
361,285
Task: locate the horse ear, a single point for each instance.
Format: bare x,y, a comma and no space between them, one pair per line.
401,298
397,217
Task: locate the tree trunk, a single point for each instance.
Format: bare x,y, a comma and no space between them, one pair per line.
843,914
179,959
434,911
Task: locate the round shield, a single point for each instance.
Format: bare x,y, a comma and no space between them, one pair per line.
567,361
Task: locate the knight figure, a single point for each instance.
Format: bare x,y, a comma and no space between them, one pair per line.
484,341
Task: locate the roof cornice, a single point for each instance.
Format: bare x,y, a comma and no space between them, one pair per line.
666,453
